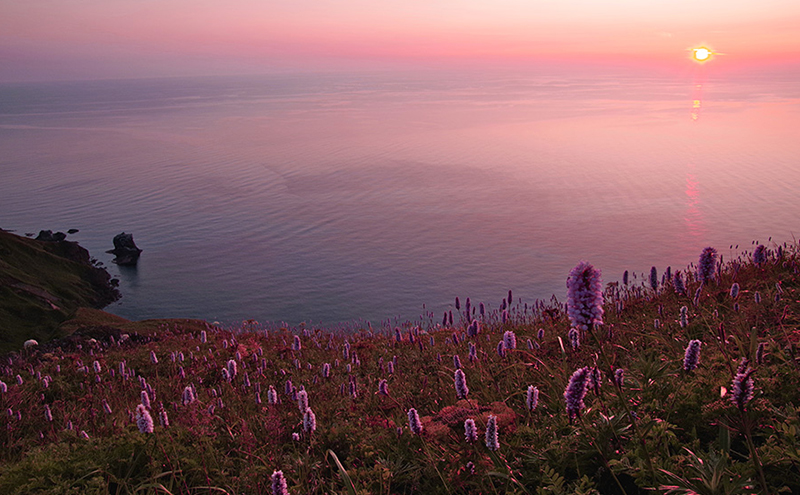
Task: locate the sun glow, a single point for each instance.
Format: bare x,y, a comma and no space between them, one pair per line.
701,54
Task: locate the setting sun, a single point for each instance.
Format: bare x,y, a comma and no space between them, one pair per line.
701,54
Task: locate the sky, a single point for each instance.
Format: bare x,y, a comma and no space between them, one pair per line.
91,39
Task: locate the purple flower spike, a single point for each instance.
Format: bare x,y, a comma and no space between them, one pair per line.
619,377
414,424
492,433
309,421
470,430
742,388
143,419
532,399
707,264
461,384
692,356
760,255
585,296
279,484
677,282
575,392
510,340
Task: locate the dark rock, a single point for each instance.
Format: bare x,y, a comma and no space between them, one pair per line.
73,231
125,250
49,236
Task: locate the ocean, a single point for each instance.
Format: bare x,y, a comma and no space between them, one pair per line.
345,198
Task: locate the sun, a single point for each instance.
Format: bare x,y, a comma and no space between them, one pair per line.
701,54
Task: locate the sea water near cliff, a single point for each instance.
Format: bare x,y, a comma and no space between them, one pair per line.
334,197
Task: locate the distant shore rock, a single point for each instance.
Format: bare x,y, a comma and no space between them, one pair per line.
125,250
50,236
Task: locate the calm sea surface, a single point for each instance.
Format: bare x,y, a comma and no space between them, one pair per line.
332,198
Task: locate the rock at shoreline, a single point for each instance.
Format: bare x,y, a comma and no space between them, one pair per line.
50,236
125,250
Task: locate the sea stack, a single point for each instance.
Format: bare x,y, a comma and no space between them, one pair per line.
125,250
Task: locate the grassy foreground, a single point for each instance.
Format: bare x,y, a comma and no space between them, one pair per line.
229,407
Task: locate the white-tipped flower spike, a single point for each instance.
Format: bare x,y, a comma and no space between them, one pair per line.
692,356
145,399
84,435
414,424
106,407
203,337
492,433
532,399
470,430
279,484
153,358
272,395
48,414
188,396
232,369
510,340
3,387
684,316
309,421
461,384
585,296
143,419
296,345
226,375
302,400
163,419
97,367
574,338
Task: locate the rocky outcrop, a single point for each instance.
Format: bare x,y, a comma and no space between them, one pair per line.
50,236
125,250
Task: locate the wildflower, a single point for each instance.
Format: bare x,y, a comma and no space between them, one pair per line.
501,349
532,399
97,367
595,380
163,419
734,290
296,345
143,419
456,361
346,351
188,396
482,309
656,324
692,356
757,297
473,329
203,337
760,353
383,387
707,264
677,282
470,430
272,395
353,388
575,392
742,388
288,387
48,415
106,407
619,377
505,317
279,484
510,340
473,352
461,384
585,296
529,343
296,437
3,387
84,435
492,441
653,278
326,370
684,316
414,423
153,358
471,467
390,367
540,334
760,255
145,399
574,338
397,335
309,421
19,380
232,369
302,400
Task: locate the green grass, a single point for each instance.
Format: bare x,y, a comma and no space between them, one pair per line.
665,431
42,284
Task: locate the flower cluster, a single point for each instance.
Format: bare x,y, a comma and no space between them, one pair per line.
585,296
575,392
707,264
692,355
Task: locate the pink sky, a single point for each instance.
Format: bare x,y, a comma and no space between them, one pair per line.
82,39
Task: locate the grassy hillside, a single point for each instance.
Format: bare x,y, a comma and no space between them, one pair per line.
42,284
177,406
